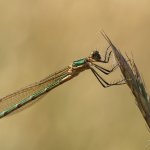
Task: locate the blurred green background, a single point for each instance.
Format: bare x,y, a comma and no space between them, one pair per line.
40,37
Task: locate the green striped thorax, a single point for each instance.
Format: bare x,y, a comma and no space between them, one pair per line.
94,56
79,62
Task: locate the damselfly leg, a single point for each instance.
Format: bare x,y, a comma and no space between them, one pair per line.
107,56
104,70
103,82
97,57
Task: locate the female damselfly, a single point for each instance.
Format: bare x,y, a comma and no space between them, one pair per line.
23,98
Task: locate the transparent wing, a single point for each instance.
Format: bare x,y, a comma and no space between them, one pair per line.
14,98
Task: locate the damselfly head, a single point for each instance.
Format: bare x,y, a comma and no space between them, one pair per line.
95,55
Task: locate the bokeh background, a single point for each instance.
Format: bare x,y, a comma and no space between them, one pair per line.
40,37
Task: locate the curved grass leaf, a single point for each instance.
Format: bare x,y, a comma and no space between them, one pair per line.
133,80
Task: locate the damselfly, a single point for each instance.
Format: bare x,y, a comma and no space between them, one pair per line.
23,98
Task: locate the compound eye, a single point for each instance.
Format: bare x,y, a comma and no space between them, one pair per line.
95,55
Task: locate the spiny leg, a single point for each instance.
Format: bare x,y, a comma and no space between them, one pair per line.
104,70
104,83
106,58
107,71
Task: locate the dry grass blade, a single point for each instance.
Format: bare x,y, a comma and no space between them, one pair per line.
133,80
